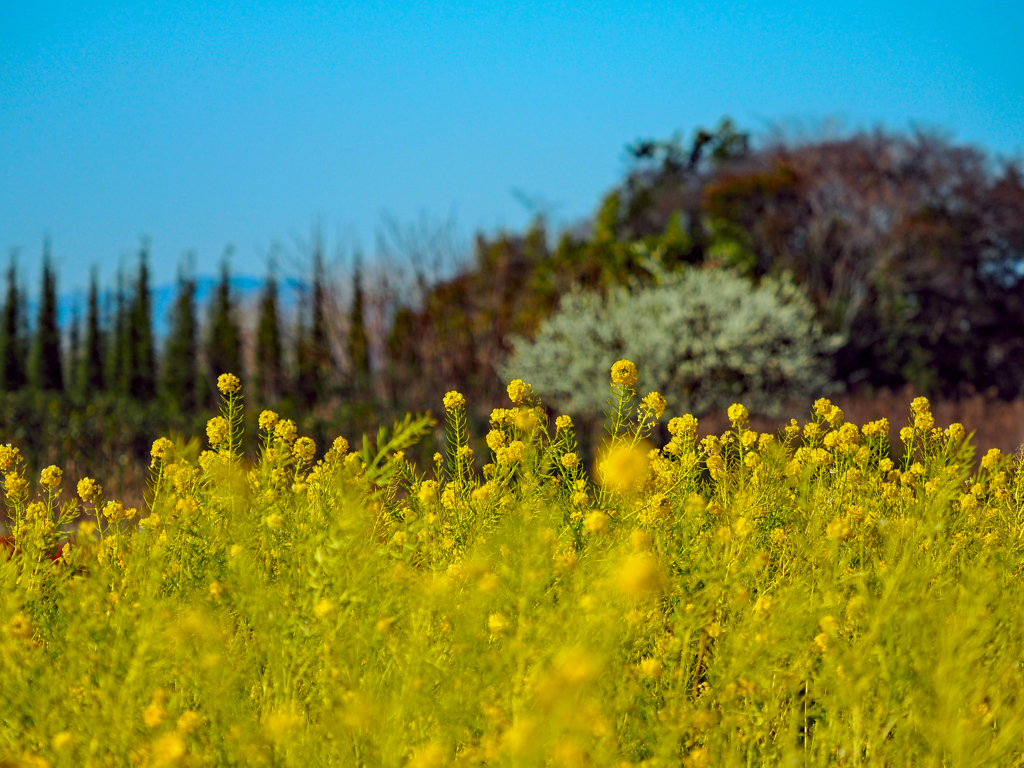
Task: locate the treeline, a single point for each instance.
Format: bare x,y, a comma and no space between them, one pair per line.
112,352
910,247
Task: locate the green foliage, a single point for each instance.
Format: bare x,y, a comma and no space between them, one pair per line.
139,349
117,347
743,599
704,339
181,349
315,365
13,358
46,366
269,373
92,368
223,341
358,342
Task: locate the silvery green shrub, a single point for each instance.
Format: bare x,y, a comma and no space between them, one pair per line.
704,338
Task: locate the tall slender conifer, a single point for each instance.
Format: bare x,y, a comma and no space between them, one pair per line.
13,368
181,369
47,373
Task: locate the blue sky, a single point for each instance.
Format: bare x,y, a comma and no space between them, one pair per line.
200,126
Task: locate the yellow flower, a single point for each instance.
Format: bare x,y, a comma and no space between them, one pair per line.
216,590
563,422
956,433
169,749
495,440
228,383
651,667
155,713
906,434
991,459
324,608
821,407
15,485
285,430
517,390
162,450
622,468
924,421
570,461
427,493
304,449
50,477
655,403
526,420
683,426
624,373
738,415
9,456
189,721
274,521
217,430
514,452
268,419
875,428
596,522
454,401
340,446
115,511
639,576
920,405
497,623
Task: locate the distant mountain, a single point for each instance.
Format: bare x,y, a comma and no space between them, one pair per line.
246,290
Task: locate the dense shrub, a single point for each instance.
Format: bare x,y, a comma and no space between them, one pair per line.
703,338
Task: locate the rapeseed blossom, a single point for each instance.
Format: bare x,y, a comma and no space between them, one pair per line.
50,477
228,384
217,430
304,449
624,373
454,401
267,420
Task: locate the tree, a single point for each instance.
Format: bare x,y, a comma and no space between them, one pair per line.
269,373
358,343
47,373
140,364
91,367
117,354
223,344
13,370
74,356
180,368
315,364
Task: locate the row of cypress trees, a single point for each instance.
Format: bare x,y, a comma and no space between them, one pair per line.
114,352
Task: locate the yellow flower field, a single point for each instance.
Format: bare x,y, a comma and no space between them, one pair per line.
743,599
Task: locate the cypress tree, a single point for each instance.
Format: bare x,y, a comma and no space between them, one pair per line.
269,368
13,373
223,346
140,368
181,370
117,348
358,344
74,353
315,361
92,373
46,364
320,346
